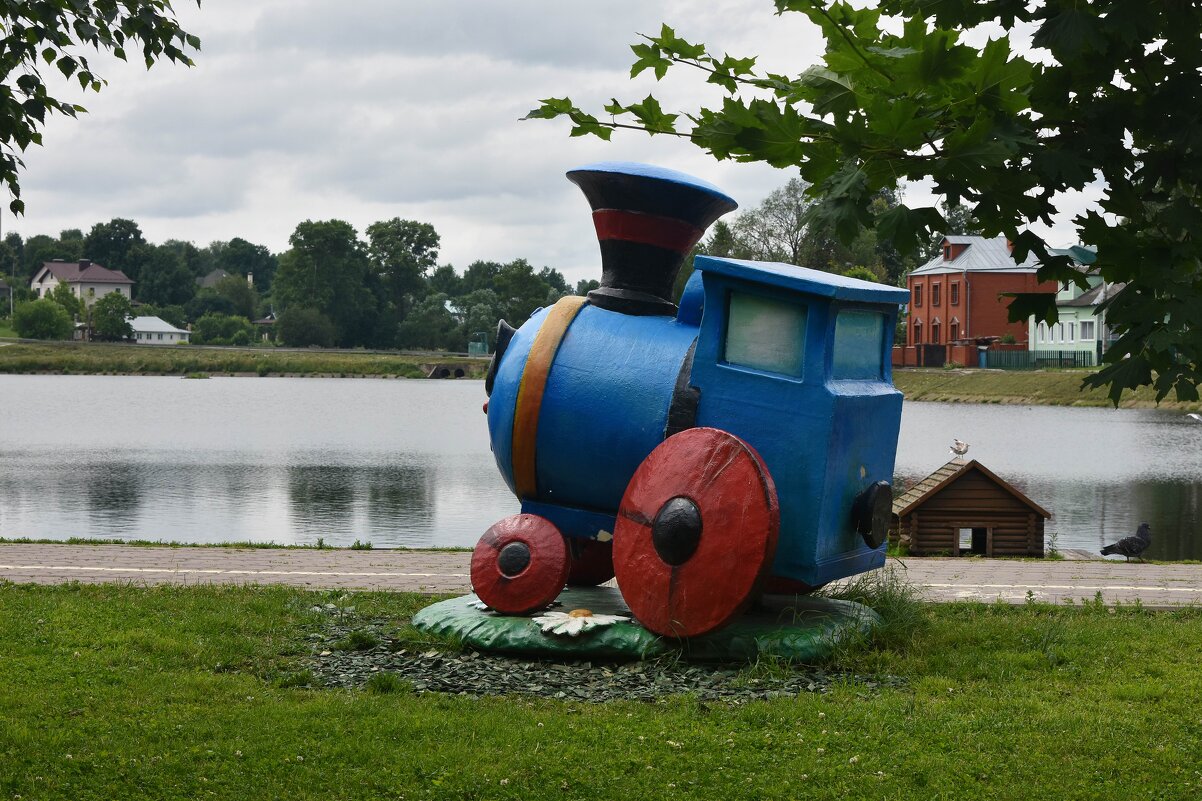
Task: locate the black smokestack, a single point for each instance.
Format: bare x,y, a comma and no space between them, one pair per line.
647,219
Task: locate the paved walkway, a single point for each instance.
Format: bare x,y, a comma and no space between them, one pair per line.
1156,586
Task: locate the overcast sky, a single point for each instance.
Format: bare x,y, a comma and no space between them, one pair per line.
372,109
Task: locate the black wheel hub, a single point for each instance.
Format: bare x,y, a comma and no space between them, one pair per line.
513,559
676,531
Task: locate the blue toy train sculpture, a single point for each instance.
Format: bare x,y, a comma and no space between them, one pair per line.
741,442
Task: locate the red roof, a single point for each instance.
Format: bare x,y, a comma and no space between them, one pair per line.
72,272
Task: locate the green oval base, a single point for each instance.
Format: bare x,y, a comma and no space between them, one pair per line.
796,628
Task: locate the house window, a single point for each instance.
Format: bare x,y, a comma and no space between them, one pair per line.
1041,332
954,293
1087,330
947,252
1060,332
935,334
1072,332
917,338
918,294
160,336
935,294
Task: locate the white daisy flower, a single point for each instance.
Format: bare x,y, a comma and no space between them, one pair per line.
575,622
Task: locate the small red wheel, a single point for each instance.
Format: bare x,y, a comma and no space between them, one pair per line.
520,564
696,533
592,562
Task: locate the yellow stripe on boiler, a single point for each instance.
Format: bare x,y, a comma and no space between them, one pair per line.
530,391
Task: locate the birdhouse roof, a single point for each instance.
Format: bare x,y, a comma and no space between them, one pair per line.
945,476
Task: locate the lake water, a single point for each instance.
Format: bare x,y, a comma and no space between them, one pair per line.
407,463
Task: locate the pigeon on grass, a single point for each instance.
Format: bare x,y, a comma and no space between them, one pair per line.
1132,546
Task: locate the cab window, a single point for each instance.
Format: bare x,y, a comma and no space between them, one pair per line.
859,345
765,334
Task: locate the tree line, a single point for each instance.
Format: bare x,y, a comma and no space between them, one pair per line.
331,288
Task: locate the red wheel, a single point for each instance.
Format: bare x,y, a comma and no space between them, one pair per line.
696,533
520,564
592,562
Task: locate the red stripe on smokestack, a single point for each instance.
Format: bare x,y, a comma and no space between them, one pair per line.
646,229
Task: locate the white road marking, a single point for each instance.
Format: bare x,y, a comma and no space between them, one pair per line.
1126,587
224,572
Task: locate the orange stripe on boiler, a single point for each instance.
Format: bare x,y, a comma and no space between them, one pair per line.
530,391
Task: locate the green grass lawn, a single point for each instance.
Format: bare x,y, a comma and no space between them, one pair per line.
122,692
1037,387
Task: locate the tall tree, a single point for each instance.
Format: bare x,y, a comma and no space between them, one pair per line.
521,290
197,261
400,252
777,229
64,33
445,280
239,257
165,278
327,269
1114,95
42,248
117,245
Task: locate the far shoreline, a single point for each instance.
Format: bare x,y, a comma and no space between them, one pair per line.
957,385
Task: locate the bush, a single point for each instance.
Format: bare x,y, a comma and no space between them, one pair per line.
300,327
222,329
42,319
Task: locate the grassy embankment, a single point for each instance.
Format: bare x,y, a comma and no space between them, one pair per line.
124,692
1045,387
1037,388
99,358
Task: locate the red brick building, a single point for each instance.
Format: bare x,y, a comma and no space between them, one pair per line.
956,295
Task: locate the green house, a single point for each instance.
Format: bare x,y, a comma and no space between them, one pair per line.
1081,333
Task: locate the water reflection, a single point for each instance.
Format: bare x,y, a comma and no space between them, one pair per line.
406,463
1100,472
113,492
398,493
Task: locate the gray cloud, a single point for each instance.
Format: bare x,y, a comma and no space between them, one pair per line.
366,110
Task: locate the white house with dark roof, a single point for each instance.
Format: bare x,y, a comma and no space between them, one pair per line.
87,280
156,331
1081,324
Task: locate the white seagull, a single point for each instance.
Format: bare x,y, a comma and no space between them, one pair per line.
1197,418
959,448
